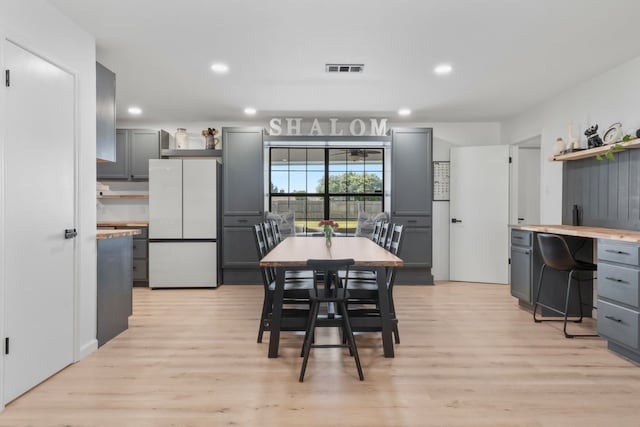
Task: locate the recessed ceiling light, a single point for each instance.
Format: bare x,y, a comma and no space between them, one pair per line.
220,68
404,112
135,111
443,69
249,111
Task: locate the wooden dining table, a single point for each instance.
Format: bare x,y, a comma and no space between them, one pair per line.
292,254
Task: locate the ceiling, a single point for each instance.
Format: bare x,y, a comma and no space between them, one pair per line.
508,55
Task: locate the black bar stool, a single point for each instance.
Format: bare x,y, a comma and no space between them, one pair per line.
556,255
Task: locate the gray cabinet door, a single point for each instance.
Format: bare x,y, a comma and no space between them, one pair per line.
120,168
240,248
411,171
521,273
143,145
105,114
243,171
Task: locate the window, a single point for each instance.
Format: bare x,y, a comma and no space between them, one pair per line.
319,183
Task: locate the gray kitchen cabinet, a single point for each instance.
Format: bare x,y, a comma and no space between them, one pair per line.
244,176
120,167
114,278
411,172
105,114
619,296
243,203
134,148
521,275
411,199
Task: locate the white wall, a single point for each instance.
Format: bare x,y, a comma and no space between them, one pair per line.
39,27
608,98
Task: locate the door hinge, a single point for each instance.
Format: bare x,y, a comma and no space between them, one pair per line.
6,345
7,78
509,262
510,159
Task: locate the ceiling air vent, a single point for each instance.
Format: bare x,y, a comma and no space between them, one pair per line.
344,68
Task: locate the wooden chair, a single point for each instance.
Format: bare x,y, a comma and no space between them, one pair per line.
296,291
557,256
332,293
364,290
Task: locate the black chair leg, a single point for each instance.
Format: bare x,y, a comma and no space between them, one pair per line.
580,303
307,341
566,305
265,308
351,339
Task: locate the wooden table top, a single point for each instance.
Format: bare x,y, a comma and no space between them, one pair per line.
112,234
294,252
584,231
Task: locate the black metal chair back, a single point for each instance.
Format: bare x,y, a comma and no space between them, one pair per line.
268,235
276,231
377,227
384,231
395,239
328,269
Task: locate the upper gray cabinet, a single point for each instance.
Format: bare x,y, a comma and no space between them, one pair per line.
243,171
105,114
134,148
411,170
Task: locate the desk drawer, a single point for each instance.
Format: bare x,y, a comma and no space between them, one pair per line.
521,238
619,283
618,324
622,252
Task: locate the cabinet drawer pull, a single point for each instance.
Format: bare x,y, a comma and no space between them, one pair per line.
412,221
613,318
243,220
616,252
517,237
613,279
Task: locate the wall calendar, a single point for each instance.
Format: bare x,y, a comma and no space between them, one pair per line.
441,181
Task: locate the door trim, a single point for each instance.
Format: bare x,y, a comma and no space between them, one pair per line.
77,245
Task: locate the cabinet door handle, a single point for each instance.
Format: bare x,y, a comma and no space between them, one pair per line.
613,279
613,318
616,252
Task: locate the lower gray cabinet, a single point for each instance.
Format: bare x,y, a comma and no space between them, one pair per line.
521,277
115,276
240,255
415,251
619,296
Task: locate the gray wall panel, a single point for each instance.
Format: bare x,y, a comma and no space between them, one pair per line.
607,191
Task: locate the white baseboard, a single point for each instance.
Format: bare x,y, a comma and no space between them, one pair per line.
87,349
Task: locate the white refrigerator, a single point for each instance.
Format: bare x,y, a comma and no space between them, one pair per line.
183,198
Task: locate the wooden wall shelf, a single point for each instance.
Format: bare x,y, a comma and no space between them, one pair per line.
598,151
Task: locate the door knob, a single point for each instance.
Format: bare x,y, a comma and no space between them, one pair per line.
454,220
70,233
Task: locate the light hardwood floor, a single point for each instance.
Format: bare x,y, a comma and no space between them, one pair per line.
469,357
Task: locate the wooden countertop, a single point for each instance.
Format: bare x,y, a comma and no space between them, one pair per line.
584,231
112,234
123,223
294,252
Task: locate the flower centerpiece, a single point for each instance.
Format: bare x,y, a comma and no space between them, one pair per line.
328,227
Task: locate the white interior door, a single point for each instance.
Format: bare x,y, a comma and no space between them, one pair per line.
39,204
479,185
528,185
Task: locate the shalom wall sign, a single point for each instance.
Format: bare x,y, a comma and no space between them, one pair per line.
294,126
